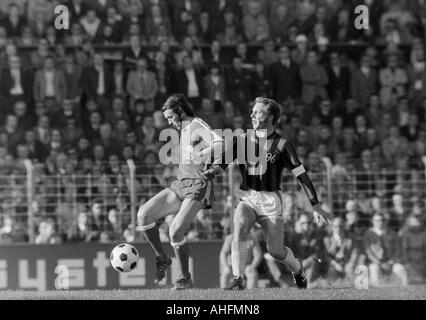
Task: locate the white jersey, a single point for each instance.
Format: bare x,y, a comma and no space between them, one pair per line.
195,137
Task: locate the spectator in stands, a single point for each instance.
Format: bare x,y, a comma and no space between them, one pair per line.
307,247
239,82
81,231
230,37
142,84
98,82
14,22
413,240
26,119
363,82
339,79
213,118
49,84
261,81
339,248
253,19
189,81
254,258
393,81
214,86
314,80
285,77
134,53
10,231
300,53
383,253
16,83
280,20
72,74
47,233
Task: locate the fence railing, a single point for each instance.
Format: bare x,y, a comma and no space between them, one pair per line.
72,200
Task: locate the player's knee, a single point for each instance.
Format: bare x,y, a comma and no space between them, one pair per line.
143,217
176,233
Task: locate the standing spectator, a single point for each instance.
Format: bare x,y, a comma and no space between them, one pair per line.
261,85
213,118
339,79
214,86
119,79
157,17
300,53
363,82
16,83
215,54
164,76
136,17
393,81
98,83
142,84
189,81
382,249
285,77
239,83
49,85
206,27
72,77
417,75
77,9
314,80
253,20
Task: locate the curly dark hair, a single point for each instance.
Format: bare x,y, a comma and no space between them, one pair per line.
179,104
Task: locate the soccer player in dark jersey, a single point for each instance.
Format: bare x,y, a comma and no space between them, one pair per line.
259,197
188,194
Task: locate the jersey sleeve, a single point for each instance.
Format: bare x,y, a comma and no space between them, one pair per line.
295,166
202,130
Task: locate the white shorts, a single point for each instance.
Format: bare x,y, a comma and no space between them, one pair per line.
266,204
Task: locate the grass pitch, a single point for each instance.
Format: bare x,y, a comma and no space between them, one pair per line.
393,293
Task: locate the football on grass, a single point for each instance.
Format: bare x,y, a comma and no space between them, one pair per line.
124,257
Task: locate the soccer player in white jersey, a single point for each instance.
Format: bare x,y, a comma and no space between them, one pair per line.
188,194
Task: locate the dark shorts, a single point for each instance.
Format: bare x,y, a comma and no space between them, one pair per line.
197,189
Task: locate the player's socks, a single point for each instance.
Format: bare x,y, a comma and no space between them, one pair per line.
239,257
182,254
291,262
153,236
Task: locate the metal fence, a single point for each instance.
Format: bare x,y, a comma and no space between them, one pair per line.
29,198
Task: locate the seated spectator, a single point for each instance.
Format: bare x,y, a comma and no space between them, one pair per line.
134,53
189,50
382,249
254,258
339,249
307,247
47,233
413,239
229,37
253,20
11,232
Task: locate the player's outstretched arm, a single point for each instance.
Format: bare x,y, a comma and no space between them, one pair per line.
296,167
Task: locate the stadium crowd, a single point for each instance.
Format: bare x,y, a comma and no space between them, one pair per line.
80,102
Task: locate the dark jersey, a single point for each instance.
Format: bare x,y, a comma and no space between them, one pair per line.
280,154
